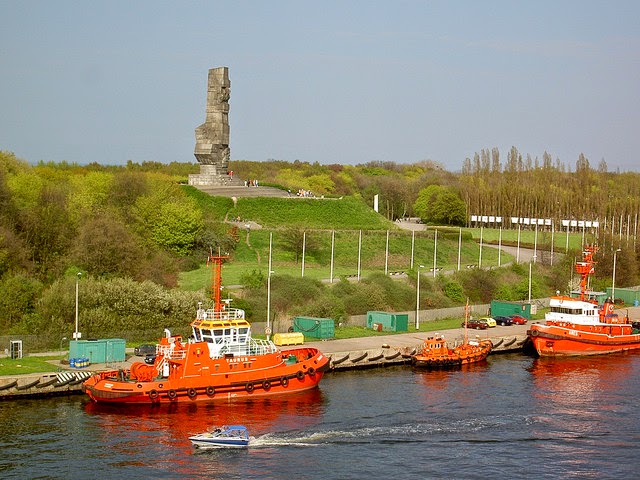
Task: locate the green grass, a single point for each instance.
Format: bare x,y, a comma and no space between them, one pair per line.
252,253
27,365
528,238
311,213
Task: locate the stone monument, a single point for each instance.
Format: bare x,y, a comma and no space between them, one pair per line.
212,137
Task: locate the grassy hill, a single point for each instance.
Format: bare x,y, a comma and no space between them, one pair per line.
311,213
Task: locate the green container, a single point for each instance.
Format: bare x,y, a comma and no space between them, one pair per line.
391,322
312,327
98,351
505,309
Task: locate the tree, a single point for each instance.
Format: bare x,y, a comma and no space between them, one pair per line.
177,226
46,230
105,246
294,240
18,296
441,206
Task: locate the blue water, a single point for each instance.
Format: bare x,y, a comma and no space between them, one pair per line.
511,417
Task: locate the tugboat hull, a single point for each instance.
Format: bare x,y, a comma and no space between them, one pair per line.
119,386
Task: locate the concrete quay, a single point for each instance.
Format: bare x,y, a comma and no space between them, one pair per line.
396,349
347,354
42,384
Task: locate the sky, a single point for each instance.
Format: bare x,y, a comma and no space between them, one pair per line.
345,82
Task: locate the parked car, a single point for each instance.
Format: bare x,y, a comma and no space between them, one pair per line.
490,321
150,359
503,320
144,349
518,319
477,324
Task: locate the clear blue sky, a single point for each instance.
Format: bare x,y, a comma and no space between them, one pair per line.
331,81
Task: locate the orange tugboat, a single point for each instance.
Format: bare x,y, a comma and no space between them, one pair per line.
579,326
435,352
220,362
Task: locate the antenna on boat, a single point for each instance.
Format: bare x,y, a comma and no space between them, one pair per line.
216,279
586,268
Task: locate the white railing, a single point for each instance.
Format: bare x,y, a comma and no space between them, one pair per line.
170,353
226,314
254,347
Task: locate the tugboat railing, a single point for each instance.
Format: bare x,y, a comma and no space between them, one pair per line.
171,354
253,347
226,314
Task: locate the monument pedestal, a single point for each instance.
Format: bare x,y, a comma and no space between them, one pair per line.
209,175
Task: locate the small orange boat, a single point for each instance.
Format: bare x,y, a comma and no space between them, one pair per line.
579,326
221,361
435,352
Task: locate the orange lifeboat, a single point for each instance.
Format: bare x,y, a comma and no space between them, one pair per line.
435,353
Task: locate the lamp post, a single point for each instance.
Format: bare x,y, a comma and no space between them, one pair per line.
533,259
267,330
613,280
418,299
77,335
62,340
435,250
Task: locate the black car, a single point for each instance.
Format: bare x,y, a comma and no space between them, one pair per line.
144,349
150,359
502,320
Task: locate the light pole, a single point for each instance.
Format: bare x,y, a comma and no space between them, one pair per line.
418,299
62,340
533,259
435,250
267,330
77,335
613,280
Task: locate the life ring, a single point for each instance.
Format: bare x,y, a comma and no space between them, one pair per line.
191,393
172,394
534,333
300,375
311,371
284,381
210,391
249,386
153,394
266,385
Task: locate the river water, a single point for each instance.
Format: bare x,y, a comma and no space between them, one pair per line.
512,416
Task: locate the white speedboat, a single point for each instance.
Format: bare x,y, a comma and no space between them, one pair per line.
227,436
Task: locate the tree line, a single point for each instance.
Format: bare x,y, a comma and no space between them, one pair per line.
138,225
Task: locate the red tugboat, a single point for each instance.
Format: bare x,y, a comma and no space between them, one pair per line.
579,326
220,362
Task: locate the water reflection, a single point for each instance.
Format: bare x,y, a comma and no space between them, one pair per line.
182,420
